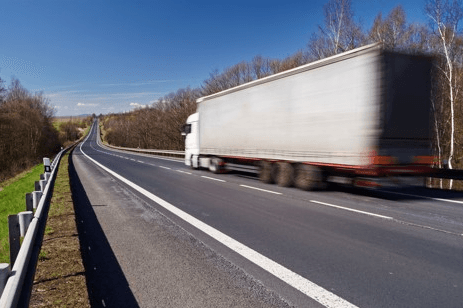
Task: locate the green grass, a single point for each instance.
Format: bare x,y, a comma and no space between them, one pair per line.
13,201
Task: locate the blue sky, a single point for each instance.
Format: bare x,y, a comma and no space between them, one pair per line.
111,56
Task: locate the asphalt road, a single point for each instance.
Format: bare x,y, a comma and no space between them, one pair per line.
183,238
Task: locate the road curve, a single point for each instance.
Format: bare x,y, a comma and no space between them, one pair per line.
387,248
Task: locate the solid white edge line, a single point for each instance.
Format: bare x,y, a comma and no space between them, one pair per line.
269,191
295,280
351,210
206,177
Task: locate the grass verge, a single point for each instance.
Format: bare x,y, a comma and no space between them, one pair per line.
60,276
12,201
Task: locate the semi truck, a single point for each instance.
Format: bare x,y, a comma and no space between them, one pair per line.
362,115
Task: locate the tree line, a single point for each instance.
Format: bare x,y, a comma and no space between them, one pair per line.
158,126
27,133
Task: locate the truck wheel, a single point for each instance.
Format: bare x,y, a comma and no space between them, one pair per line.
308,177
284,174
214,165
265,174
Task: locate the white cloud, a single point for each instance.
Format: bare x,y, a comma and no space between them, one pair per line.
86,105
137,105
83,101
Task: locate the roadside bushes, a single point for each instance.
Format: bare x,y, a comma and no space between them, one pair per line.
154,127
26,131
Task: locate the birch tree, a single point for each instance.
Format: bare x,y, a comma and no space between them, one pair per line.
445,17
339,33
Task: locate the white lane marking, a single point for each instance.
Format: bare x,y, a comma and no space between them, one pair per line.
351,210
164,167
206,177
141,161
437,199
269,191
183,172
295,280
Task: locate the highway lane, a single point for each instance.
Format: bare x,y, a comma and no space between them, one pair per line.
377,249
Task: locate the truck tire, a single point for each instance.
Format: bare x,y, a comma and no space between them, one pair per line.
265,174
214,165
308,177
284,174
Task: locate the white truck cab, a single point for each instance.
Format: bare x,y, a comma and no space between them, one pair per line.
191,133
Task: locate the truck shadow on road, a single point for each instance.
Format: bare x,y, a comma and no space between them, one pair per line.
399,193
106,283
405,193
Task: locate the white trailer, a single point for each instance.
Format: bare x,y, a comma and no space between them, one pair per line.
362,113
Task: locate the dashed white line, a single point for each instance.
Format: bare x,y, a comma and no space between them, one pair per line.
351,210
183,172
164,167
265,190
206,177
141,161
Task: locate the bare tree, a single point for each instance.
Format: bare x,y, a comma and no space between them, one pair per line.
319,47
2,90
156,127
445,17
340,32
26,133
260,67
395,33
293,61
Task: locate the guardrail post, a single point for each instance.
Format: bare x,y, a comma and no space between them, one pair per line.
37,186
13,232
36,195
25,219
4,274
43,183
29,202
47,176
46,164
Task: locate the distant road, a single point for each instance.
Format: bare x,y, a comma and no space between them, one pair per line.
192,238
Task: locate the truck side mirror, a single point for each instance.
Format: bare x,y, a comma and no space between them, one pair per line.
186,129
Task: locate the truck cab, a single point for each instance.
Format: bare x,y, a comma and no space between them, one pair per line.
191,132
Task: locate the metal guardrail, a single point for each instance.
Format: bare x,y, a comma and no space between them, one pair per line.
15,276
172,153
150,151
